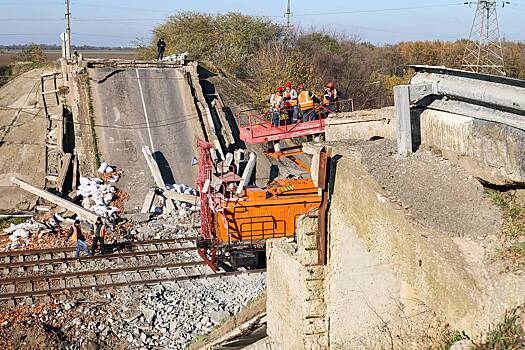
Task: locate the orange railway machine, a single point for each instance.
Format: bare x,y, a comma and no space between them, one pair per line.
234,227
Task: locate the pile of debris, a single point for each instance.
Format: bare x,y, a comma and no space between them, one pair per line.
97,196
163,316
20,235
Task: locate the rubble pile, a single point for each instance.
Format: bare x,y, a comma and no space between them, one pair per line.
176,58
22,235
97,196
166,316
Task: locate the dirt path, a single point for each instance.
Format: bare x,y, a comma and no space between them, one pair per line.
22,138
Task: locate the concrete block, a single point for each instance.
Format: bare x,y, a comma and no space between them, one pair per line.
308,257
315,290
487,150
315,308
314,273
307,241
361,125
316,342
316,326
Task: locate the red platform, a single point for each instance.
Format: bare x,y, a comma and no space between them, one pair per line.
260,130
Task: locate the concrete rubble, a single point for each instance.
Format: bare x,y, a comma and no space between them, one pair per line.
97,196
20,235
166,316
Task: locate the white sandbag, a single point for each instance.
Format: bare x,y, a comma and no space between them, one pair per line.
10,229
103,167
109,170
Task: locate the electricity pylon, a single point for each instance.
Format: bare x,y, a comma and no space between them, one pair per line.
484,51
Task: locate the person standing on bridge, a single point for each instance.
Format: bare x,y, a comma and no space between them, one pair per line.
330,97
161,48
276,106
290,103
307,102
99,233
75,233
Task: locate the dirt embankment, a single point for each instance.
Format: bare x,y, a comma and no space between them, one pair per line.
434,192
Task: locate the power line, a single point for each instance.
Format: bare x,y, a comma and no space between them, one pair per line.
392,9
484,52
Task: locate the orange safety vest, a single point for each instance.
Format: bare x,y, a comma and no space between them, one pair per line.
333,95
103,231
305,101
74,236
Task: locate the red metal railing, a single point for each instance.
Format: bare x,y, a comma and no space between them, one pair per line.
260,128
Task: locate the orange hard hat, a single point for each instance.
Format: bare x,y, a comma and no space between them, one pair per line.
288,85
280,89
300,86
330,85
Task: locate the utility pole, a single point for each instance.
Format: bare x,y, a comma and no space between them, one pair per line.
68,30
484,51
288,15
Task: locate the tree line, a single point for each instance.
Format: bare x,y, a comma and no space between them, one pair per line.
265,54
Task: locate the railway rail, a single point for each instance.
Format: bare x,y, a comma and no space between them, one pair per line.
55,256
55,272
26,289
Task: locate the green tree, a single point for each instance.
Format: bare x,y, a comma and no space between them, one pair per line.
33,54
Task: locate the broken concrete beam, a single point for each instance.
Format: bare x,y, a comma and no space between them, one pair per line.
148,201
157,176
181,197
247,174
62,174
83,213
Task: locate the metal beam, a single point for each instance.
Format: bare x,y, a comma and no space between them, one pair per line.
500,93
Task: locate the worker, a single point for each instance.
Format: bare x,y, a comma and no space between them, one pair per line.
75,233
161,47
276,106
290,103
307,102
330,97
99,233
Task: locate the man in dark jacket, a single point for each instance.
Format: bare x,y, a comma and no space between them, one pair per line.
161,47
75,234
99,233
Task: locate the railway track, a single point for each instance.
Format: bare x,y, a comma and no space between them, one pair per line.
48,287
60,258
48,274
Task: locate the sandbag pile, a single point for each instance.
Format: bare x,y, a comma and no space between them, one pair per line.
97,196
22,232
183,207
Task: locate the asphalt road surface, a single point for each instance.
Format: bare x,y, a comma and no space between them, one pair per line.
22,139
152,107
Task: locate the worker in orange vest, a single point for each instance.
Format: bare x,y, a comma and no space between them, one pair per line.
330,97
290,103
99,233
276,106
306,102
75,234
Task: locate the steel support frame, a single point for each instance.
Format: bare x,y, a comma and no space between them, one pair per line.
291,153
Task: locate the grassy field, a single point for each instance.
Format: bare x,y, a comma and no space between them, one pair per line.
8,57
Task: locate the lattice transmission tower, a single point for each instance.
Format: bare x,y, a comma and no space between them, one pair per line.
484,51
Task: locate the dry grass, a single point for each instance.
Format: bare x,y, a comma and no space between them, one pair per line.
513,239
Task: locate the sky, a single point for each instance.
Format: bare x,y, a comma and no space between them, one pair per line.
124,22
